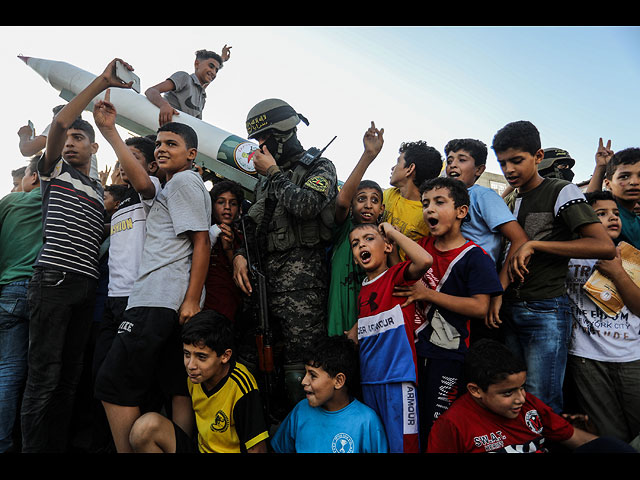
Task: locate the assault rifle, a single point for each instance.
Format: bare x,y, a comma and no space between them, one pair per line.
263,331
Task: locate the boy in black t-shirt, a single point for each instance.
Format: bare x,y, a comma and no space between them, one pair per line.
561,225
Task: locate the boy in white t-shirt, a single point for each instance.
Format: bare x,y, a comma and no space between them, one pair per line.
604,353
128,222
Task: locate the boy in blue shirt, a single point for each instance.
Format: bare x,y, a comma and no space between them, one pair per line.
490,222
331,419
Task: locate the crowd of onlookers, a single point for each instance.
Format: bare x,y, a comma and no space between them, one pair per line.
452,318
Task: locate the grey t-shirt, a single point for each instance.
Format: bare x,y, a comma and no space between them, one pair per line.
182,206
189,95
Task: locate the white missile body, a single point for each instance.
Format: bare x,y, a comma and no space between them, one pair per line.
219,151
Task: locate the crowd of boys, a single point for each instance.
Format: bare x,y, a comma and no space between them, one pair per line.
433,316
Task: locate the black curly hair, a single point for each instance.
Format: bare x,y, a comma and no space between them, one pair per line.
336,354
521,135
489,362
427,160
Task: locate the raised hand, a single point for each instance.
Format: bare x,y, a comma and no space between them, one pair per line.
226,53
373,140
109,74
604,153
104,113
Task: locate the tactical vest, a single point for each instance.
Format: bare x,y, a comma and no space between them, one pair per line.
282,230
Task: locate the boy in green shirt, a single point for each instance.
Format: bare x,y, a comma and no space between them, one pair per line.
358,201
20,242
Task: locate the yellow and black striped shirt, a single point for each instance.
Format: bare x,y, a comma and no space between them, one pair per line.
230,418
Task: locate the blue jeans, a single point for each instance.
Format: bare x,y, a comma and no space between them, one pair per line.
61,313
539,332
14,343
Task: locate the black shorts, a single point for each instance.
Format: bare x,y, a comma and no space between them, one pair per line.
184,443
147,349
113,314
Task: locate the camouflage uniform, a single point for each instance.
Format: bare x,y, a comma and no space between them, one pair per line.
294,260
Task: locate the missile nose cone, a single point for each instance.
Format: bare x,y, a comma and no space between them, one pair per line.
23,58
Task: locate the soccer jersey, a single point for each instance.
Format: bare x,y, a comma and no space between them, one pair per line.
230,418
355,428
461,272
385,330
468,427
128,231
73,220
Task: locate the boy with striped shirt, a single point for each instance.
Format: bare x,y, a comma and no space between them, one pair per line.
62,291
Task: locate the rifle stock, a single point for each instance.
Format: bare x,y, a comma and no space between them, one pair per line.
263,335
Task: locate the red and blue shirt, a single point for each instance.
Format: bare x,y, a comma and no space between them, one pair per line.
385,330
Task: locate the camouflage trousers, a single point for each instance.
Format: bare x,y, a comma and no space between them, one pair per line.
297,319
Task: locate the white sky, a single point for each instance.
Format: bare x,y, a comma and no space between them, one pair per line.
575,84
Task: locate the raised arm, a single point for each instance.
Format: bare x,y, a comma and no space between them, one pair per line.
373,141
104,115
421,260
603,155
72,110
226,53
30,146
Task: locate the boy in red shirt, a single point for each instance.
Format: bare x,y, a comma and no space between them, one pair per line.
496,415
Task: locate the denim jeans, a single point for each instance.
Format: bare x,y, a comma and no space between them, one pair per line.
14,343
61,310
539,332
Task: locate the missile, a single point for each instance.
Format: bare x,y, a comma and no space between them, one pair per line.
220,152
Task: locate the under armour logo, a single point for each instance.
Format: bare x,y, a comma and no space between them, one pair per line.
373,306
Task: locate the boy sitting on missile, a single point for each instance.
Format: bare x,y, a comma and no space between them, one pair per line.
185,92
